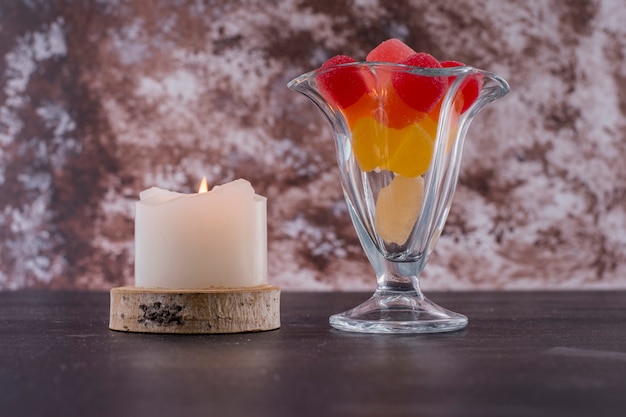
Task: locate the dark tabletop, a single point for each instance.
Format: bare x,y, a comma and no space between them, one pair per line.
523,354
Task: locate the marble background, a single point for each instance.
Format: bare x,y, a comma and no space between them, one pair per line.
101,99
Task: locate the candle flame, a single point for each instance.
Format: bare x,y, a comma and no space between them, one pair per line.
204,187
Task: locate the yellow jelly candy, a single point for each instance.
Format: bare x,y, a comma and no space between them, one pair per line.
365,143
429,125
397,208
411,151
406,151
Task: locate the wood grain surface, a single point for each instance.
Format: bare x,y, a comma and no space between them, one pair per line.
556,354
201,311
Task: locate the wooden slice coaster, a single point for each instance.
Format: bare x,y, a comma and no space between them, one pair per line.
195,311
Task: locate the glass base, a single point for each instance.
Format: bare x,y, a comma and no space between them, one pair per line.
398,313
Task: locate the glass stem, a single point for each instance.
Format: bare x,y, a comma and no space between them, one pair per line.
399,277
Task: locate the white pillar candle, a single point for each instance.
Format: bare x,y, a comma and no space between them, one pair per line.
204,240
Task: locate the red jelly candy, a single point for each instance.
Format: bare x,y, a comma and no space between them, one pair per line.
391,50
470,88
420,92
343,86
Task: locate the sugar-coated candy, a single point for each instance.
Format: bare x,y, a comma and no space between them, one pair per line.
391,50
420,92
343,86
393,115
471,86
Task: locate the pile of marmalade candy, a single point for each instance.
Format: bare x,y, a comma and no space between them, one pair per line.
393,116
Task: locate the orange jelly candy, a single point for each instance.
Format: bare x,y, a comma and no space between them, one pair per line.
365,107
433,119
395,112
